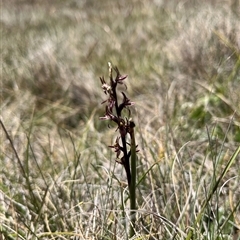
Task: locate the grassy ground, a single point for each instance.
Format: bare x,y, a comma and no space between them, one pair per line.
59,180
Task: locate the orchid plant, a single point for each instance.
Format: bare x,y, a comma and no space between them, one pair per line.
125,151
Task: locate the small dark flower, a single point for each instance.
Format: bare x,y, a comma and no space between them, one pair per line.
106,117
110,116
102,80
106,88
117,148
122,160
122,128
111,103
120,78
126,102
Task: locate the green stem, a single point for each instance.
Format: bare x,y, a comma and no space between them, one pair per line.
133,182
126,162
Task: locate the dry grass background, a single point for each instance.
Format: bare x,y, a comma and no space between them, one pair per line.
183,63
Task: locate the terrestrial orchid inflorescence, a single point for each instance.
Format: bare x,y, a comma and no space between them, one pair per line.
113,112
